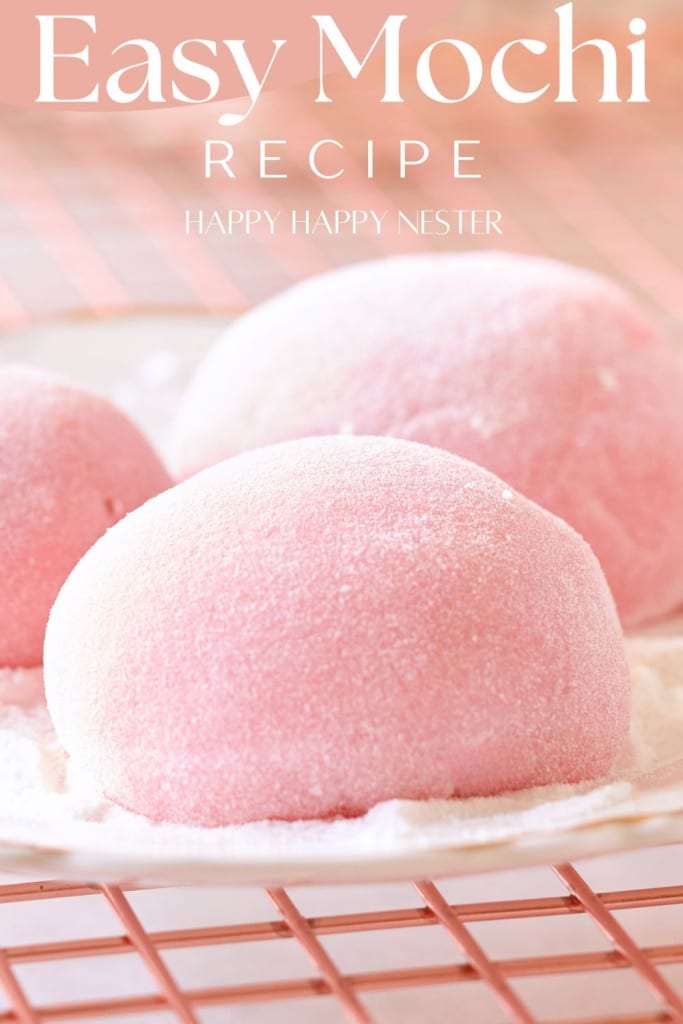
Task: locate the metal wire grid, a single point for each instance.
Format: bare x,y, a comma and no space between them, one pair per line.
348,989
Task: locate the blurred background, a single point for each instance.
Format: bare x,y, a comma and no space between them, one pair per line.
97,274
92,205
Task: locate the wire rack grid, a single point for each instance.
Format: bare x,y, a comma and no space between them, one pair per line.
348,990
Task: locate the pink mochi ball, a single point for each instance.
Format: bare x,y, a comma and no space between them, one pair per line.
311,628
70,466
545,374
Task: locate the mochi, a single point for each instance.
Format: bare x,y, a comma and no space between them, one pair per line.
71,465
311,628
548,375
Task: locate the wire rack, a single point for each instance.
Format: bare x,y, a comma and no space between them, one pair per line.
348,990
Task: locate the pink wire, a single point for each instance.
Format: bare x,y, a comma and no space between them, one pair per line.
621,939
484,967
303,932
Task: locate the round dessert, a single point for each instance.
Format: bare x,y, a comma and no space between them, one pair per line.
545,374
311,628
71,465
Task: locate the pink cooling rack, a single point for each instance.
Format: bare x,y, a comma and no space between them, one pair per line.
347,989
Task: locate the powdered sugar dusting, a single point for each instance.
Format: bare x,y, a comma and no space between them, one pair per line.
42,795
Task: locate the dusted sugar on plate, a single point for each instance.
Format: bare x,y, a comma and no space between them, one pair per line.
71,465
308,629
548,375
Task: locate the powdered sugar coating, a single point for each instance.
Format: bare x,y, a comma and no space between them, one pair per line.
311,628
70,466
545,374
